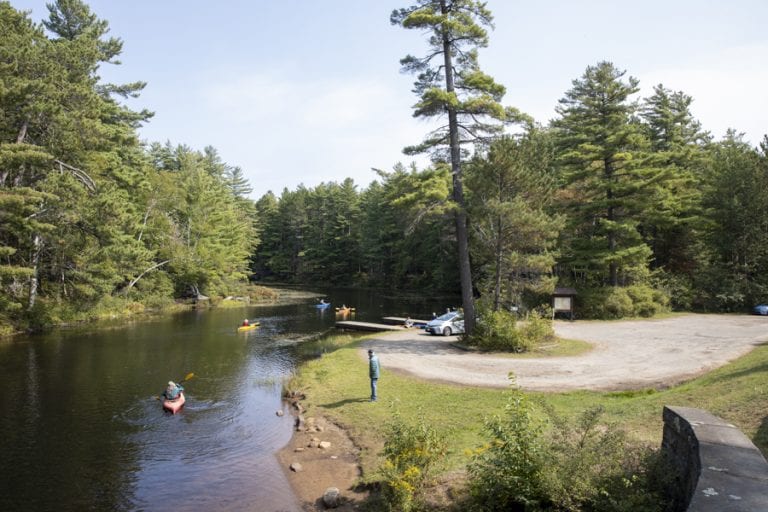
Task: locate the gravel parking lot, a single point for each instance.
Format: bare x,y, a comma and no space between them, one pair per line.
632,354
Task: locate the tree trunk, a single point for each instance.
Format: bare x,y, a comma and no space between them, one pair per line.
611,214
136,279
499,251
22,135
37,244
151,205
465,272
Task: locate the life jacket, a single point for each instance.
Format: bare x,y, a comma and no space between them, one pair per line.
173,393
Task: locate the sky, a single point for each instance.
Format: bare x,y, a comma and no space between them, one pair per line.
300,92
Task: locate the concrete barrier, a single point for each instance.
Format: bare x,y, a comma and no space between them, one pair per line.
716,467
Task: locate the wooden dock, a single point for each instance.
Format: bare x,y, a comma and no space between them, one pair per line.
399,320
367,326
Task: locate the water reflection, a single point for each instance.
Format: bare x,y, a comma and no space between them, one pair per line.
81,428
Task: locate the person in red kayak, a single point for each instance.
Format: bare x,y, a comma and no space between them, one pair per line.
173,390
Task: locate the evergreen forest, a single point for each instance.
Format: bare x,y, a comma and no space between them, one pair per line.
627,199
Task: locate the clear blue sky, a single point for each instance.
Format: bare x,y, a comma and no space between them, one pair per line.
303,91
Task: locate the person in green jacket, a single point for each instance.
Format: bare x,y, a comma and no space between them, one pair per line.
173,390
373,371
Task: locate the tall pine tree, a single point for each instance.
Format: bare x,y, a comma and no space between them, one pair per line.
510,189
677,142
605,178
450,84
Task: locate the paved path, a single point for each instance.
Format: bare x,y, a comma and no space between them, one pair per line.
632,354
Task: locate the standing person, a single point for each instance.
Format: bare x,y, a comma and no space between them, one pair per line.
373,371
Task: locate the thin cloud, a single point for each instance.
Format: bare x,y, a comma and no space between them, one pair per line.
318,131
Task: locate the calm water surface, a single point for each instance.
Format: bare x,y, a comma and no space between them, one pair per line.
80,428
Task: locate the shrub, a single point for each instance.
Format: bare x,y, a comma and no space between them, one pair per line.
507,473
411,454
499,330
610,302
496,331
594,466
617,303
583,465
538,328
678,289
262,293
41,317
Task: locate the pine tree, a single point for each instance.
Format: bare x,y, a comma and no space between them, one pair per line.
212,238
450,83
735,198
422,244
269,244
509,191
677,141
605,177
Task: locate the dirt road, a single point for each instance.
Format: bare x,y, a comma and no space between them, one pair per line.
627,354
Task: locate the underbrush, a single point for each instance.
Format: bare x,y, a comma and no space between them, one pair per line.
412,454
500,331
548,462
49,312
614,302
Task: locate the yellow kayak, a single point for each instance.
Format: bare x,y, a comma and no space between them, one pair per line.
252,326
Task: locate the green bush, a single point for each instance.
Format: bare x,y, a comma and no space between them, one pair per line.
584,465
678,288
40,318
538,328
411,455
496,330
507,473
617,303
499,330
609,303
593,466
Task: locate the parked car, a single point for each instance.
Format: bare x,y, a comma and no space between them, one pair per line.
760,309
447,324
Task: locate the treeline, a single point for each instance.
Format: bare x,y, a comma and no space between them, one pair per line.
91,220
626,199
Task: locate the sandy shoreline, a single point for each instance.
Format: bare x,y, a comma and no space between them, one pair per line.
321,468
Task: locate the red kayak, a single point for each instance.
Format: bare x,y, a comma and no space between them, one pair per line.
175,405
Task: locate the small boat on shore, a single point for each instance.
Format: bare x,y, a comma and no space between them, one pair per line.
175,405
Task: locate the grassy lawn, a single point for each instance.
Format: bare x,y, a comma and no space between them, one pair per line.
337,387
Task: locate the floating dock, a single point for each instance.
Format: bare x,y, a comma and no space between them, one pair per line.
399,320
367,326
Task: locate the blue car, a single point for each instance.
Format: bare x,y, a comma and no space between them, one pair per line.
760,309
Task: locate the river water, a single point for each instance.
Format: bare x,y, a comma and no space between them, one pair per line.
81,428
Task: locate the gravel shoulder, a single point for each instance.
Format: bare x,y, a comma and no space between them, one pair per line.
632,354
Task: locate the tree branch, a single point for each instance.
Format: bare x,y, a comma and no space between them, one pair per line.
136,280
